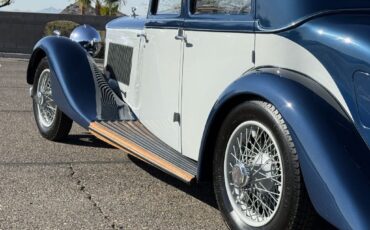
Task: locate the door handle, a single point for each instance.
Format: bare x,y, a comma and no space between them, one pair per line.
181,37
142,35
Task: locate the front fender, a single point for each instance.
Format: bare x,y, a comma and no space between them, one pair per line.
334,158
72,80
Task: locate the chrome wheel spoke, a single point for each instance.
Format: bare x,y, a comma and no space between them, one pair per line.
253,173
45,104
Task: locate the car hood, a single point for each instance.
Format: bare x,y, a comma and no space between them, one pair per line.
127,23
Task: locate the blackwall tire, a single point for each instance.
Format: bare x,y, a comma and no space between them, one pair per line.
52,123
248,185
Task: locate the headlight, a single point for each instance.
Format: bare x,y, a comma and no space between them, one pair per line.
88,37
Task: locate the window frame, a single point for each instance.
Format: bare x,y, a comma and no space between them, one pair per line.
192,9
221,17
153,10
170,21
220,22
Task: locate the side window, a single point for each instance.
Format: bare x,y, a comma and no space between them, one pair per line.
168,7
231,7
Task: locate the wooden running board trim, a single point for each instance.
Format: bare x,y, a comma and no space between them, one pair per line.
100,137
135,150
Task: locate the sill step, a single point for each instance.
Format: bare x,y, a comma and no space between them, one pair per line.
133,137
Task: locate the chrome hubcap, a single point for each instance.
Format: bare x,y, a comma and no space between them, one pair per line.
40,99
240,175
45,104
253,173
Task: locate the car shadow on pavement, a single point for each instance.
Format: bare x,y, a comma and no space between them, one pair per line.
203,191
86,139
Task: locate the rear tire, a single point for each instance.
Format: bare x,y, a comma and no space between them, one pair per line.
262,187
52,123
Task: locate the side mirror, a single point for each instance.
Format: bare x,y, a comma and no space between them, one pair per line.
89,38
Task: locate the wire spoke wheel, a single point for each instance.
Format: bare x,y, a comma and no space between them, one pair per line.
253,173
45,104
52,123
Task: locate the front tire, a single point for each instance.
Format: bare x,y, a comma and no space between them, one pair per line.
52,123
256,172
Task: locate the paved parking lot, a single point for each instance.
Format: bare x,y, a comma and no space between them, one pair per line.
83,183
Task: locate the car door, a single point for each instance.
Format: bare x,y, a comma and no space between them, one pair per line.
218,49
161,68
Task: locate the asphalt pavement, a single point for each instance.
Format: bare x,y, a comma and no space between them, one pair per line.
83,183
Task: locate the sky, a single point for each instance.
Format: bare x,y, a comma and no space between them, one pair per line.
37,5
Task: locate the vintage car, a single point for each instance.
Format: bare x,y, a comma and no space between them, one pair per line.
269,100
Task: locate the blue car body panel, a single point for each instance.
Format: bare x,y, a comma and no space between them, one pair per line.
127,23
333,156
332,145
341,44
276,15
70,70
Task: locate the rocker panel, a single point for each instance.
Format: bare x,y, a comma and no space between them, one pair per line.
139,142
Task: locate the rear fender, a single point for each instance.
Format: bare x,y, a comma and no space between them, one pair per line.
333,157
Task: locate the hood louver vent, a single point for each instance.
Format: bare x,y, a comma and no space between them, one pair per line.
119,62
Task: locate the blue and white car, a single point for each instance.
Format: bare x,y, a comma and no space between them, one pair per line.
269,100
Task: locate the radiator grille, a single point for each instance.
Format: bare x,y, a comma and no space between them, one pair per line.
119,62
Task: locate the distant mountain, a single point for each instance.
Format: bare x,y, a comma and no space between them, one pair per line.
50,10
75,9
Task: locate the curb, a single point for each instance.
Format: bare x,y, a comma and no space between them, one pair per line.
28,56
15,55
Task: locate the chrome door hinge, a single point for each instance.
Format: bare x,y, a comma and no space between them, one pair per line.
176,117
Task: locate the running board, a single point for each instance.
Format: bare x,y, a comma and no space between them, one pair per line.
138,141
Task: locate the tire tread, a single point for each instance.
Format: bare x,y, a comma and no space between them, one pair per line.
305,214
302,214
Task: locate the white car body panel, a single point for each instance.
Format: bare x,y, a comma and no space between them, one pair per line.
170,77
272,50
159,85
214,61
127,37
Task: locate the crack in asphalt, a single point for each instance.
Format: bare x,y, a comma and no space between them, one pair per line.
89,197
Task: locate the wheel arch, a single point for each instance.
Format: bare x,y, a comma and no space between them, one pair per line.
36,57
79,86
324,135
213,126
67,77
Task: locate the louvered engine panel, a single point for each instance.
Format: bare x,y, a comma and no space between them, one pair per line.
119,62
